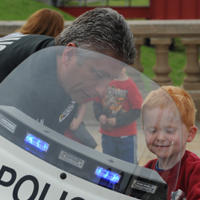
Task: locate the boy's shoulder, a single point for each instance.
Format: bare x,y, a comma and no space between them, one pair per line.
189,175
190,163
190,157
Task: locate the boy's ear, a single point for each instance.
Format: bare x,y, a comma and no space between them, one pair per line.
192,133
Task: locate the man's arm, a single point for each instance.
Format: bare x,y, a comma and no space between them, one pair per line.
77,120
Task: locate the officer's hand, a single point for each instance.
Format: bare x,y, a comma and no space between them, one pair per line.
74,124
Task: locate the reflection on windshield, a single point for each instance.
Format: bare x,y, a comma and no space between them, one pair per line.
82,114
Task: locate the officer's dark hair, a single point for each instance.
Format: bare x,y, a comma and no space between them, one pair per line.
103,30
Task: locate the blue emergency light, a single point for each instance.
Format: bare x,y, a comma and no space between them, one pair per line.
36,142
108,175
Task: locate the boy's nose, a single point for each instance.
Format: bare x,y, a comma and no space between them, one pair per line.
160,136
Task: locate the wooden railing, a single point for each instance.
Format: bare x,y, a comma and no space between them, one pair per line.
160,33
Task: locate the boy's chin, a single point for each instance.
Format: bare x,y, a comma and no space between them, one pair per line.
161,155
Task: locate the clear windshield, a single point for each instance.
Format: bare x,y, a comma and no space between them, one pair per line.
78,110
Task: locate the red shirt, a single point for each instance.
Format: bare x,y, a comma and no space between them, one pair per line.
188,179
121,97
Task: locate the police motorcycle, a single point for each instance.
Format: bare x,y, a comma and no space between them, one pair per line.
38,161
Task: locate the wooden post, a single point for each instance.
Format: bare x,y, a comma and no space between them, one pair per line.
192,69
137,64
162,68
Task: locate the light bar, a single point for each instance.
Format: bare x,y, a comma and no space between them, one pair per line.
36,142
108,175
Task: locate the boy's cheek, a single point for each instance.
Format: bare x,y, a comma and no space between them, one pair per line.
148,141
146,138
175,139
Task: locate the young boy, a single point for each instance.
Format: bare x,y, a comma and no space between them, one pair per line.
166,137
117,113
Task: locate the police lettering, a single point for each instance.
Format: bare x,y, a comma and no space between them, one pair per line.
22,180
7,41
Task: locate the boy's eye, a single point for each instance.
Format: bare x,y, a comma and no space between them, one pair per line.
170,130
152,130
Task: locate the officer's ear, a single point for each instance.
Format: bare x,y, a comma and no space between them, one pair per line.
71,44
68,53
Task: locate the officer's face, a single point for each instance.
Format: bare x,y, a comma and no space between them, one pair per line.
90,78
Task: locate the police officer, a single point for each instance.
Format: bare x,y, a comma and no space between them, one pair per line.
101,30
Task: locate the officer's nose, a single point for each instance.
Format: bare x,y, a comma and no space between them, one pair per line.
101,87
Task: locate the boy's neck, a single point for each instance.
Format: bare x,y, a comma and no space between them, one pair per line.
166,164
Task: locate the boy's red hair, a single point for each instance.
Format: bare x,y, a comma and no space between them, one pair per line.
173,98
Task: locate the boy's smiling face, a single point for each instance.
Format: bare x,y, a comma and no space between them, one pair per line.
163,133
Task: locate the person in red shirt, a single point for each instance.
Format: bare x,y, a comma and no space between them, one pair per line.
117,113
168,119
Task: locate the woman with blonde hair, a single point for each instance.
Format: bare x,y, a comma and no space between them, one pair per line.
42,22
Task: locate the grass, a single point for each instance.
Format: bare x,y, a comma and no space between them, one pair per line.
22,9
110,3
177,61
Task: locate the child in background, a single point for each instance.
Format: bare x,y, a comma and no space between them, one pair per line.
117,113
167,137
